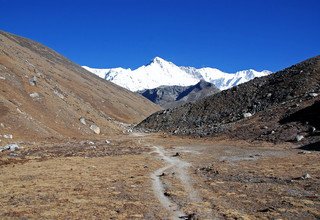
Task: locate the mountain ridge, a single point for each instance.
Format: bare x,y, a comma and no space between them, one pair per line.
173,96
159,72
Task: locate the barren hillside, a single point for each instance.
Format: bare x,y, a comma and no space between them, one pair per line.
255,110
44,95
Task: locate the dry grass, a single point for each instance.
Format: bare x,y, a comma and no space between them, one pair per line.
115,187
243,181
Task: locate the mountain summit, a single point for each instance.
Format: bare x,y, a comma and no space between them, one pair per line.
160,72
160,61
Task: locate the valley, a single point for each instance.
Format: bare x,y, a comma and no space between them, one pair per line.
75,146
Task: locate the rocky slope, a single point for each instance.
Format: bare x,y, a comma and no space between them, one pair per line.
160,72
173,96
259,109
44,95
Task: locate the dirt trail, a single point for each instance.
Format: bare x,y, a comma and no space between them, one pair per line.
179,167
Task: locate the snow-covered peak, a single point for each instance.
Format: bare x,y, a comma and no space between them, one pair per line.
160,72
159,60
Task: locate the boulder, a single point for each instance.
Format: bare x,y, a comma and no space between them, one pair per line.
313,94
8,136
299,137
11,147
59,94
312,129
33,81
306,176
95,129
247,115
83,120
34,95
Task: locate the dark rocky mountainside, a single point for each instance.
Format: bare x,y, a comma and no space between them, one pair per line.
267,108
44,95
173,96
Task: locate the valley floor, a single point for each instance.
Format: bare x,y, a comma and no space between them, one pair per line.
156,176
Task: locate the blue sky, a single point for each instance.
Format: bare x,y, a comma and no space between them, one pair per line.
228,34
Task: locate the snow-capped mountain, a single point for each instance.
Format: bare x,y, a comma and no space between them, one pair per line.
160,72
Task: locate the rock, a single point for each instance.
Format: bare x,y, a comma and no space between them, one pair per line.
247,115
304,152
95,129
312,129
8,136
1,125
90,142
306,176
39,74
176,155
299,137
13,155
313,94
11,147
33,81
269,209
108,142
162,174
3,148
34,95
269,95
189,216
18,110
2,78
61,96
83,121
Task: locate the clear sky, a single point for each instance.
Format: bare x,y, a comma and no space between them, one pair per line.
227,34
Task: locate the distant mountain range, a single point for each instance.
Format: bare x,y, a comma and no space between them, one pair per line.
160,72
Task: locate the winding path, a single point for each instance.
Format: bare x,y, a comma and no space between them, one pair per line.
179,167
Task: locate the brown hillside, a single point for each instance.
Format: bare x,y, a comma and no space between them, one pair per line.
63,92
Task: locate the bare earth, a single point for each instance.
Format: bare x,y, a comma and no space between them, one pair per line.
141,176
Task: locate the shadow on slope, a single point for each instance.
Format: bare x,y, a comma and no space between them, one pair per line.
312,147
308,115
